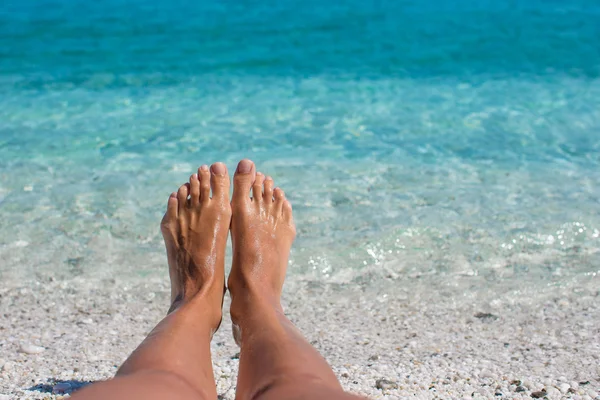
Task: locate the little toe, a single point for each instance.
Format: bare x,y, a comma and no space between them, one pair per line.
194,190
171,208
268,195
279,196
257,187
219,181
182,197
243,180
204,174
287,212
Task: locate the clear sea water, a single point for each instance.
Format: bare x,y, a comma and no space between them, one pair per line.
417,140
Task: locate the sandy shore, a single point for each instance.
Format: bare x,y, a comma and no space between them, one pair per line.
389,342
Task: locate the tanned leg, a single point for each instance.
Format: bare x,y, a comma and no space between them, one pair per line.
276,362
174,361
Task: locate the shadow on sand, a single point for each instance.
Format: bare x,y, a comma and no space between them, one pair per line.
58,386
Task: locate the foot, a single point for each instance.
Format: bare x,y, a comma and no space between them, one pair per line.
262,232
195,230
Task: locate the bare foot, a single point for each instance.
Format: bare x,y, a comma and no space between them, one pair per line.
262,232
195,231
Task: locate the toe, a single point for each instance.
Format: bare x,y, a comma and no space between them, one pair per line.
171,208
257,187
279,196
288,216
204,174
194,190
219,181
243,180
287,211
268,196
182,195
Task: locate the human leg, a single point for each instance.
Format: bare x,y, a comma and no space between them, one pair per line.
276,362
174,361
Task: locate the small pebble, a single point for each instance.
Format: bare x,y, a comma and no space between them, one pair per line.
31,349
485,316
553,392
384,384
4,397
564,387
520,389
528,384
61,388
538,395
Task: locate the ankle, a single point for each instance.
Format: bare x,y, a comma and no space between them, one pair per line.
252,303
201,302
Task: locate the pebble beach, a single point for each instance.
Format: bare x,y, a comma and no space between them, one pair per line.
407,340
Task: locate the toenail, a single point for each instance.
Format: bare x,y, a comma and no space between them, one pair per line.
244,167
218,169
204,168
174,195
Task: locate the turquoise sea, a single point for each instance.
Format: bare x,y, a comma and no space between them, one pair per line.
417,140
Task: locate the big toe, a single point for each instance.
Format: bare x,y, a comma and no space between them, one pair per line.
245,175
219,181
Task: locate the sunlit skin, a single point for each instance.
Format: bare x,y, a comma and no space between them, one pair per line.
174,361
